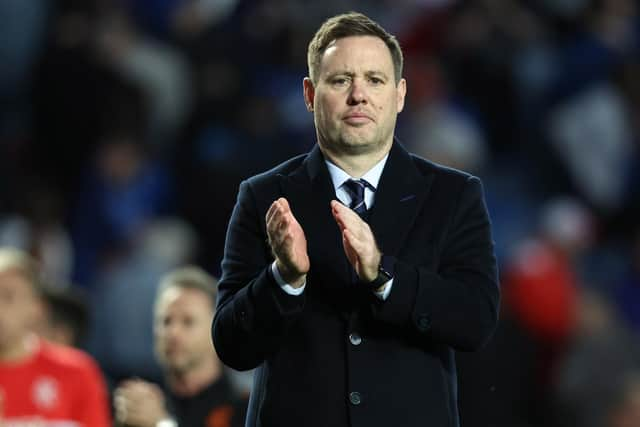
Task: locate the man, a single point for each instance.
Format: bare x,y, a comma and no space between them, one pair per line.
198,392
352,314
67,316
41,383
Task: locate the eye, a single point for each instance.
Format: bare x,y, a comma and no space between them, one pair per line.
188,322
376,80
339,81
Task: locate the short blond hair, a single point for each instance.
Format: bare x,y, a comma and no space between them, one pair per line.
13,259
347,25
189,277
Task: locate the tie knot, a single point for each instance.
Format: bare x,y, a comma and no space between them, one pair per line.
355,188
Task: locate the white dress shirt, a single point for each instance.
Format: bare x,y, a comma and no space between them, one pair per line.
338,178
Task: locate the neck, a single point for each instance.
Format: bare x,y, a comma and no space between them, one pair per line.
356,165
19,350
196,379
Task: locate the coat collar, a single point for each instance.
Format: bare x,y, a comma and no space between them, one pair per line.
400,194
399,197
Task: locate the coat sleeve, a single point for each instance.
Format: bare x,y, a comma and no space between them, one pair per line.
457,303
253,313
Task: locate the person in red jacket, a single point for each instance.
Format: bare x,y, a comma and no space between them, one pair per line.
41,383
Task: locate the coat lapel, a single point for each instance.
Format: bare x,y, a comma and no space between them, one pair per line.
309,191
400,194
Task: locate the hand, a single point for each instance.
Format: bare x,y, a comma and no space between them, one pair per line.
139,404
288,243
1,408
358,241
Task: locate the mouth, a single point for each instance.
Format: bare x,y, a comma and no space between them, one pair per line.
172,351
357,119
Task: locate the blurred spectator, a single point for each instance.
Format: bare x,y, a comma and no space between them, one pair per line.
593,136
38,227
67,316
41,382
541,281
157,69
540,290
499,386
198,392
121,300
588,381
628,291
104,104
22,35
450,137
192,17
127,189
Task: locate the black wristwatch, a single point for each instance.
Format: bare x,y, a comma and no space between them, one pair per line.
383,277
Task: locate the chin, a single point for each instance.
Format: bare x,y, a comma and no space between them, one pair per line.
177,368
358,145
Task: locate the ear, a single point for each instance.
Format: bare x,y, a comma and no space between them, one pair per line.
309,93
401,91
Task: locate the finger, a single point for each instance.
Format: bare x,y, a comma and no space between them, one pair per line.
348,249
346,217
284,203
279,233
273,220
158,394
365,249
120,406
126,383
355,243
280,205
135,394
277,226
278,212
275,208
340,214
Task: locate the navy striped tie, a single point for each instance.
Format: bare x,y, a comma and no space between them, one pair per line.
355,188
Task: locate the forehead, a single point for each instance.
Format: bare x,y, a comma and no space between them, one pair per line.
14,278
184,299
357,53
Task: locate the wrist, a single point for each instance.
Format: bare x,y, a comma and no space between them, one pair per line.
294,279
370,273
384,274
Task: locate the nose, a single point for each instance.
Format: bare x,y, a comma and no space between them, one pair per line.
171,330
358,93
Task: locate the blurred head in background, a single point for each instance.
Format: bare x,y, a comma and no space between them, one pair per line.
184,310
67,316
21,308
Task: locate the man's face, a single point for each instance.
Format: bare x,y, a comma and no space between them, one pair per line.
355,99
19,308
182,328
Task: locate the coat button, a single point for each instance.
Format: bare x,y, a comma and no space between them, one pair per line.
355,398
424,322
355,339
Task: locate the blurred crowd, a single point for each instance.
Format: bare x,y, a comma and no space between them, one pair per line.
127,125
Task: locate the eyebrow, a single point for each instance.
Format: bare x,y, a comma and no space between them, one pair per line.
370,73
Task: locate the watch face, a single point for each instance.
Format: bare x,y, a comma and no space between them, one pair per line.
385,273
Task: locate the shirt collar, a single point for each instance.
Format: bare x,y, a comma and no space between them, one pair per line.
338,176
